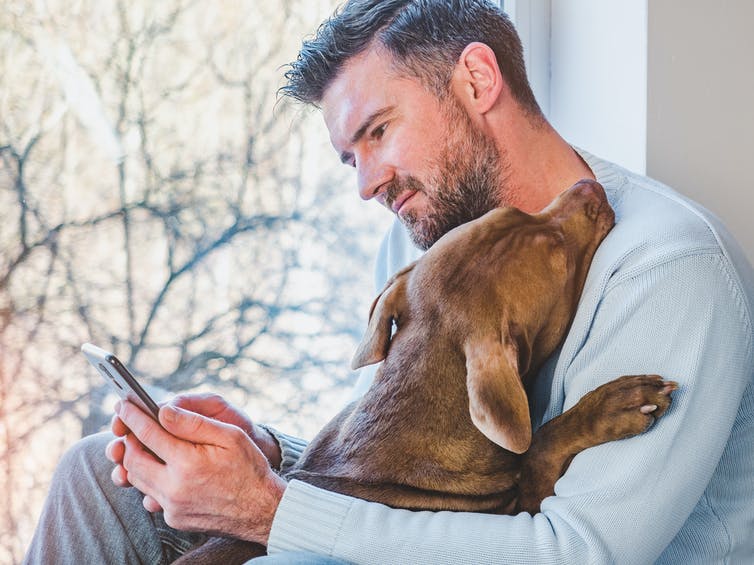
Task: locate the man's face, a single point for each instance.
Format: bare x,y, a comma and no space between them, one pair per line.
415,154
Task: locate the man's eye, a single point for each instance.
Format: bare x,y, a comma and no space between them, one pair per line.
379,131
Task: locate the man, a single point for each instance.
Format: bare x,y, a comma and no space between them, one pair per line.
428,100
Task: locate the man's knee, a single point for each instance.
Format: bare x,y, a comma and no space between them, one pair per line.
83,462
85,513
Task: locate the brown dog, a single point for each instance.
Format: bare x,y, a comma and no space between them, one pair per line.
461,333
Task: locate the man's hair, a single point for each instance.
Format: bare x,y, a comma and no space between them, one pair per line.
424,37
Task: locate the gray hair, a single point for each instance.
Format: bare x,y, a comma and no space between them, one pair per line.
425,38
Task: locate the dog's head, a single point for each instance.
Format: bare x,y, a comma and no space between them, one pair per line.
504,289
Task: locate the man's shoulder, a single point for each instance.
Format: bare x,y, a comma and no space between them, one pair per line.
653,219
656,226
655,223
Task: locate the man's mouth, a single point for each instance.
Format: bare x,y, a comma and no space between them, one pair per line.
398,203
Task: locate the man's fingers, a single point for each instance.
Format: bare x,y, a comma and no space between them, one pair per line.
215,407
115,450
142,469
147,431
151,504
206,403
119,476
117,426
194,427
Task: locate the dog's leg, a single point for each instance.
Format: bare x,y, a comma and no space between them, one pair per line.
619,409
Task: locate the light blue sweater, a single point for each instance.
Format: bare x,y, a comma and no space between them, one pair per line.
668,292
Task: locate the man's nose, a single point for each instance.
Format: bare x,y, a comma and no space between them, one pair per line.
372,178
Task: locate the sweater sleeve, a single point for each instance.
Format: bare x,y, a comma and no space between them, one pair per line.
291,447
623,502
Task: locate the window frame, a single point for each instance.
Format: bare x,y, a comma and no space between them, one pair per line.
532,21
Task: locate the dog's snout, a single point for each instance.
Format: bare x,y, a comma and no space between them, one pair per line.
584,197
592,209
593,201
589,187
592,196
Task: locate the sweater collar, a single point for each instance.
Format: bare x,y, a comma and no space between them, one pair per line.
609,175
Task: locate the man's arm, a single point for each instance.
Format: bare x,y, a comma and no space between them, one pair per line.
620,502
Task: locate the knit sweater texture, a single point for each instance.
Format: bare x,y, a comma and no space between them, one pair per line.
668,292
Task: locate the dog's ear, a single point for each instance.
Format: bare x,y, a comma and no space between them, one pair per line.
385,308
497,399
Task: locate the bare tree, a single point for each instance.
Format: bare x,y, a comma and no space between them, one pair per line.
157,200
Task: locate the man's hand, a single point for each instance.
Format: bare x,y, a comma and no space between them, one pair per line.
212,477
211,405
216,407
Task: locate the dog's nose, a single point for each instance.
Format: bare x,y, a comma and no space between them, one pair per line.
583,211
596,208
592,194
586,196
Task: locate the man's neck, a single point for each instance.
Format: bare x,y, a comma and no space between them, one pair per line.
541,163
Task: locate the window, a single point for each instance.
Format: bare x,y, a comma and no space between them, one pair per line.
158,202
532,20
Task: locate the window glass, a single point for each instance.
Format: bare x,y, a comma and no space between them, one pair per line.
159,201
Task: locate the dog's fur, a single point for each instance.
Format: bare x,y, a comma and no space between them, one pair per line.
461,333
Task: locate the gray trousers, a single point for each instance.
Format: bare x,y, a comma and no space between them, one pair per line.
87,519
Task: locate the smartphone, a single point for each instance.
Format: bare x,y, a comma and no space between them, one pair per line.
120,378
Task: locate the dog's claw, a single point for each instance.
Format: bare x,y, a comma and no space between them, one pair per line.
669,386
629,405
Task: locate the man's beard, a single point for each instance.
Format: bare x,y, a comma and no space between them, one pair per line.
470,180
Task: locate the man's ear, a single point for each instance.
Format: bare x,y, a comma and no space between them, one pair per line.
385,308
498,404
478,78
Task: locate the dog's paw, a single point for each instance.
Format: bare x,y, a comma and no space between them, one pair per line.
629,405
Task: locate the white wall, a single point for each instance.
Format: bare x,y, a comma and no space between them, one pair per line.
700,116
598,54
663,87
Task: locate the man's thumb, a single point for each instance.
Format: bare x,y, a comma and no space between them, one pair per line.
190,426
